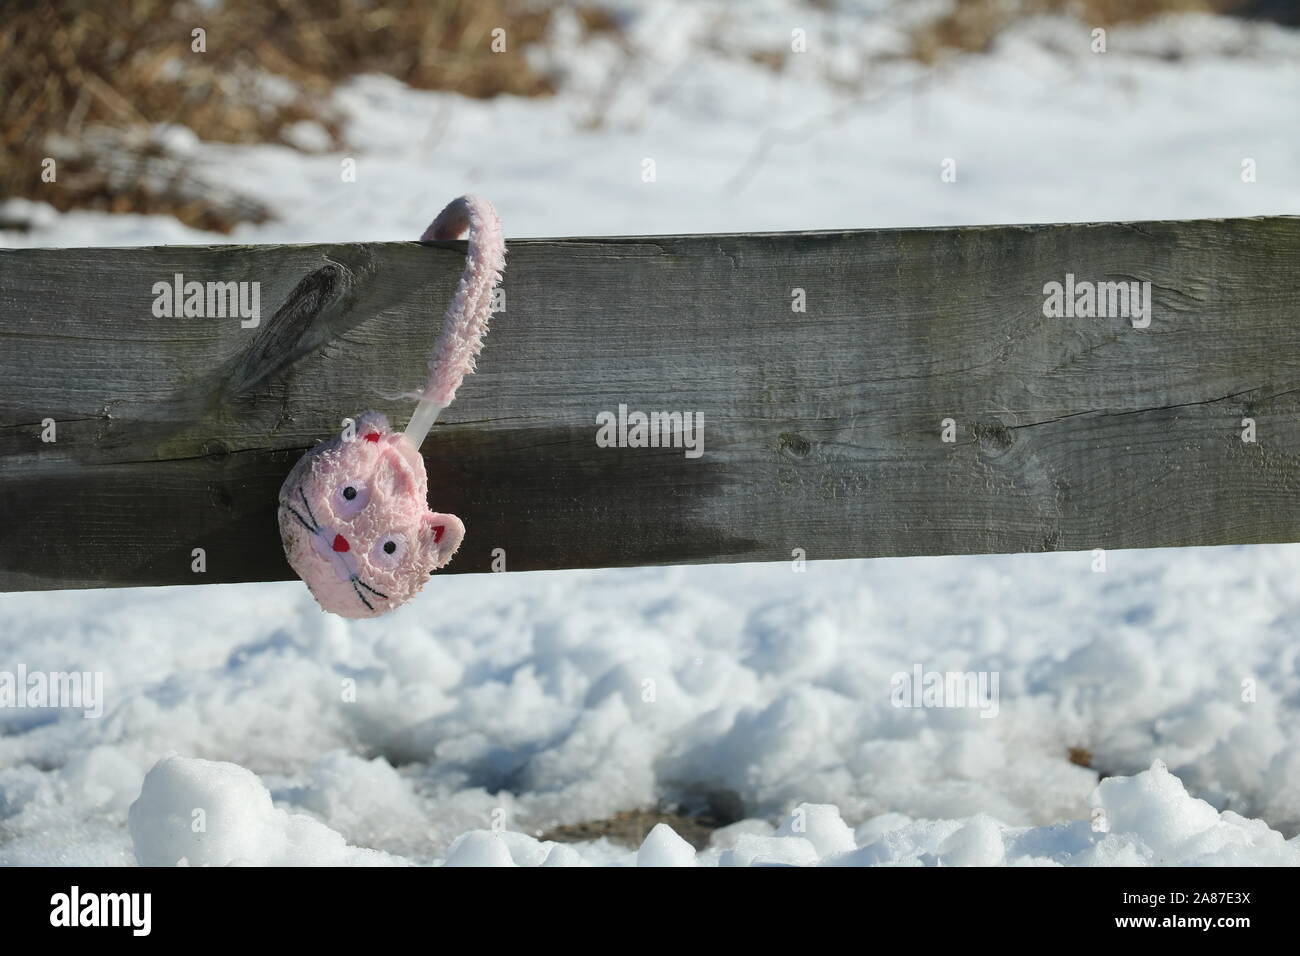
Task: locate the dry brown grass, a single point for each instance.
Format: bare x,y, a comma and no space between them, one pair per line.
70,70
974,24
84,81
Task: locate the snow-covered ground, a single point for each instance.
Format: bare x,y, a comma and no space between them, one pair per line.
558,698
530,708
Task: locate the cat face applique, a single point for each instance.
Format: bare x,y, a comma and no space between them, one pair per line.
355,524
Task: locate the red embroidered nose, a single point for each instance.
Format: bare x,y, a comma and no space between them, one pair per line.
372,436
340,543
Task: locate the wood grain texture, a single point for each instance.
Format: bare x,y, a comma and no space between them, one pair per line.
821,429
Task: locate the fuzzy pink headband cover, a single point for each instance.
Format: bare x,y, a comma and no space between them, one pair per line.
354,516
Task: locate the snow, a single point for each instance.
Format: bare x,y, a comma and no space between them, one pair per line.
821,825
479,848
307,739
207,813
204,813
526,711
663,847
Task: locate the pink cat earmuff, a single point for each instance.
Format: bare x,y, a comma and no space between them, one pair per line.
354,513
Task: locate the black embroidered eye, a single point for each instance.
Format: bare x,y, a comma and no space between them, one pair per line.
389,551
350,499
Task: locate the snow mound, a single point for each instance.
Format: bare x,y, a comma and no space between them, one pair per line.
205,813
1152,816
663,847
479,848
1148,819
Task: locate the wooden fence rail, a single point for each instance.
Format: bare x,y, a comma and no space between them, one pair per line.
823,429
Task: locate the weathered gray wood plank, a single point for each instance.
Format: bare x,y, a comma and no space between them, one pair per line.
821,429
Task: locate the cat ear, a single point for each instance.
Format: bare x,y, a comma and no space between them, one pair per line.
440,536
395,480
371,423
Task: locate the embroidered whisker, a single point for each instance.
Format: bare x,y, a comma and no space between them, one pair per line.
291,508
368,605
307,505
372,590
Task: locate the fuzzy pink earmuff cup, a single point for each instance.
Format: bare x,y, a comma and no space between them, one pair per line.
354,514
